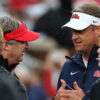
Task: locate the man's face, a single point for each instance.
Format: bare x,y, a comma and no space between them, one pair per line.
14,52
84,40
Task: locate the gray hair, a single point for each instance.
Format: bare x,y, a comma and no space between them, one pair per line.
9,24
91,8
1,40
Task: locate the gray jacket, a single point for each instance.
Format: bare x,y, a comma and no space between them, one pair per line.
10,86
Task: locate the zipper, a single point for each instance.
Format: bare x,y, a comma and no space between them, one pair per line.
84,76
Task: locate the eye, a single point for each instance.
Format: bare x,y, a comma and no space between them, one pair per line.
77,31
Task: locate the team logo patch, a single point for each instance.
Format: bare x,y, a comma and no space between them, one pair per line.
97,73
75,16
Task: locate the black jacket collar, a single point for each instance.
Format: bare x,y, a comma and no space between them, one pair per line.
4,63
78,58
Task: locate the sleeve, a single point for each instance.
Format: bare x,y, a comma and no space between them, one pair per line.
7,90
62,76
95,90
51,91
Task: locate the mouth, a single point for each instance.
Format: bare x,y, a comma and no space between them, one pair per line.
77,44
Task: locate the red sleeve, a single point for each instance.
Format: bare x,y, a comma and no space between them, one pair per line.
51,91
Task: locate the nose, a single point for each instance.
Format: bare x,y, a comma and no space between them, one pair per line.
75,36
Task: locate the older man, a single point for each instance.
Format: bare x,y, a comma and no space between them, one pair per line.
16,37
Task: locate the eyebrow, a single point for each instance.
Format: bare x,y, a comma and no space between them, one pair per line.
78,31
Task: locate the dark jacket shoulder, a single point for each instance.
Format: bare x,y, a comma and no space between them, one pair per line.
10,86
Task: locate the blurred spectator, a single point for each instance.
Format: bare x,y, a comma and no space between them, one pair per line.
33,12
31,76
52,67
20,4
23,70
52,4
16,7
37,92
50,24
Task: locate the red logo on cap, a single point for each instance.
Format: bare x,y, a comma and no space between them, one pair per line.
97,74
75,16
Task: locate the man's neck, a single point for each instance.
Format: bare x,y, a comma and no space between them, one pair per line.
86,56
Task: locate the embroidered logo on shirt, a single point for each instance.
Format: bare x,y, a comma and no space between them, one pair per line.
73,73
97,73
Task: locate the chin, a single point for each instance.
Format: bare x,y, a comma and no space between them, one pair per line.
18,61
78,49
21,59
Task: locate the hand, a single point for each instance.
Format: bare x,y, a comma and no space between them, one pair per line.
63,94
78,93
